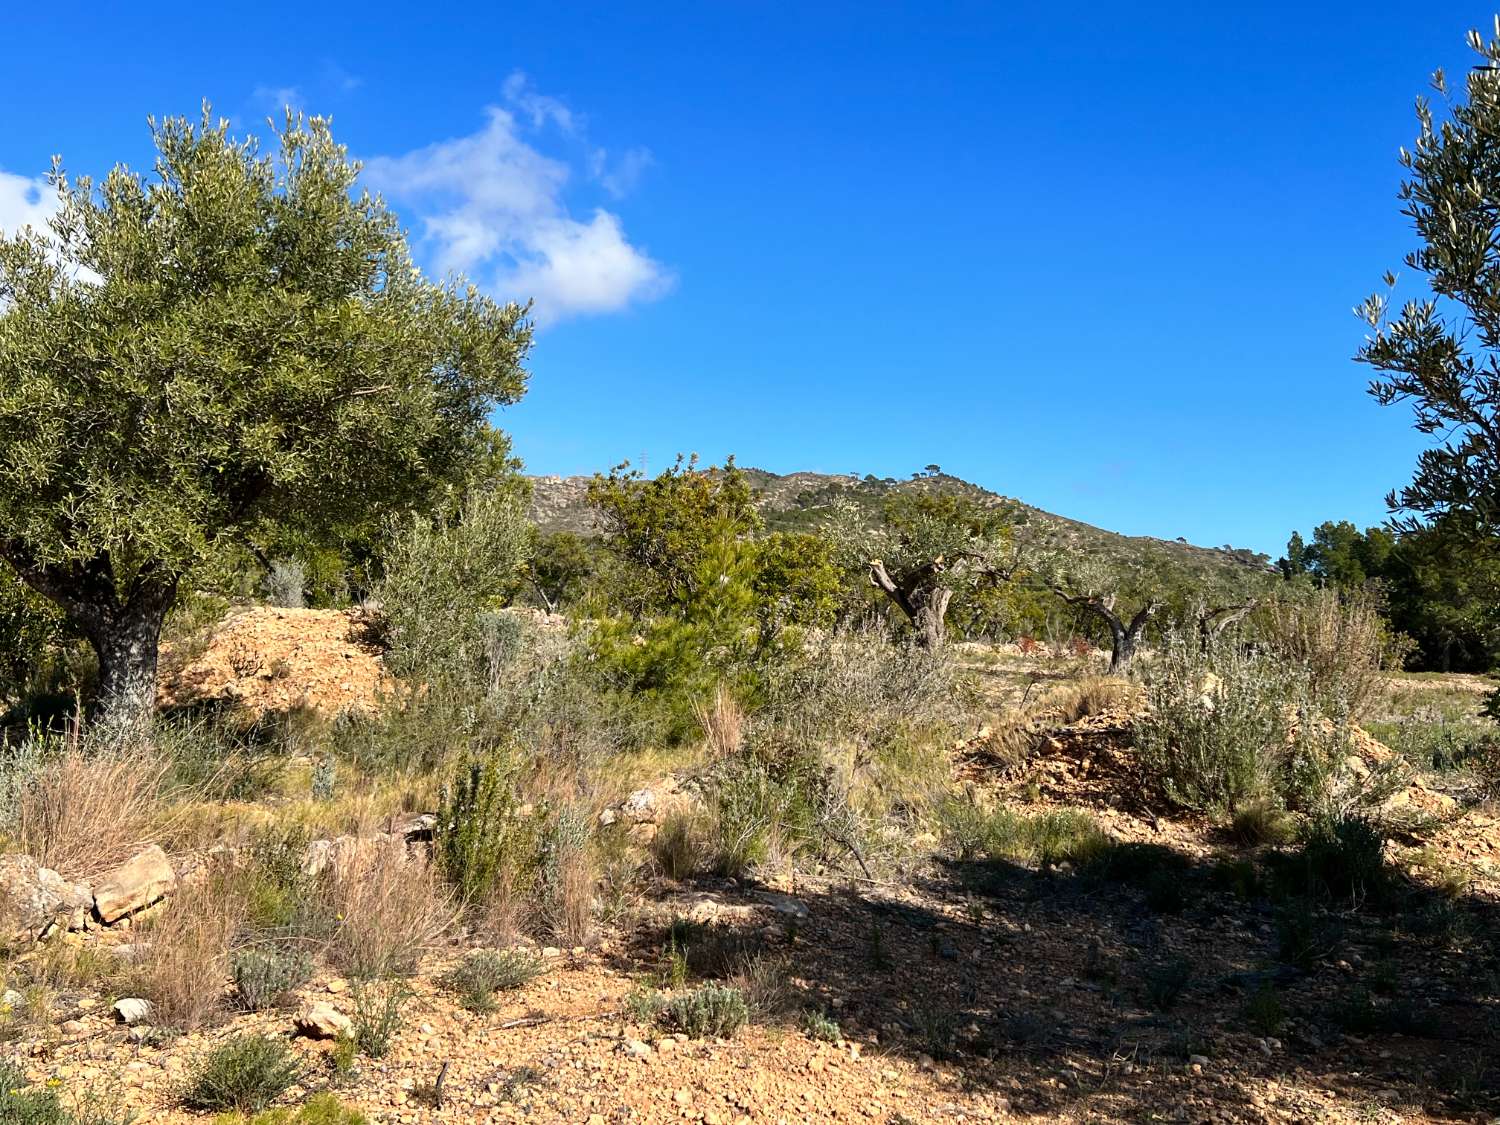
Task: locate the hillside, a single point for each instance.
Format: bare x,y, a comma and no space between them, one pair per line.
800,500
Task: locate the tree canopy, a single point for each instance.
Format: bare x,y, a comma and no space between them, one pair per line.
237,344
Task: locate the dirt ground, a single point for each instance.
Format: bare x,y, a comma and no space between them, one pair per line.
976,991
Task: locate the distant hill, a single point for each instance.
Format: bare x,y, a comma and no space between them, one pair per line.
799,501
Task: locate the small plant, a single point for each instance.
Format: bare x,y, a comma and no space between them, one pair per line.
1264,1011
264,976
937,1026
1304,937
1166,983
342,1058
325,776
679,847
762,980
481,974
879,958
246,1073
1344,857
320,1109
484,843
819,1026
644,1004
710,1010
377,1015
1261,820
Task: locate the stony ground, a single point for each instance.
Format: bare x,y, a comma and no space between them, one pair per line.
975,991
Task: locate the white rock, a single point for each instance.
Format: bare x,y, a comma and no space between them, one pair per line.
132,1010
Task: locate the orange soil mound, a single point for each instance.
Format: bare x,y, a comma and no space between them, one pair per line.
266,660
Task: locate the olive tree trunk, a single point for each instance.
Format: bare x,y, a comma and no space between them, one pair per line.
122,627
1124,636
922,597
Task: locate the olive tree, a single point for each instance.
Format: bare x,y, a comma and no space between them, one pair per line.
928,547
1441,353
233,343
1102,589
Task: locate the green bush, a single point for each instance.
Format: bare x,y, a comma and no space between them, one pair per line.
484,843
377,1015
263,976
23,1103
710,1010
481,974
1166,983
1343,857
246,1073
819,1026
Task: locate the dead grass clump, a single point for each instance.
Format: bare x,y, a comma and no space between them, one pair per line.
1092,695
83,813
723,723
683,845
389,907
570,878
1341,639
184,966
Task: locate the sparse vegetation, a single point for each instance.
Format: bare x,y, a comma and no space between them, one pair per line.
246,1073
481,974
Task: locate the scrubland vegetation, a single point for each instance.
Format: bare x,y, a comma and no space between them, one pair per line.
877,768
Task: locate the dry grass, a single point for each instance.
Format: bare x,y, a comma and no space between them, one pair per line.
84,813
723,723
571,887
389,908
1091,695
186,959
1342,640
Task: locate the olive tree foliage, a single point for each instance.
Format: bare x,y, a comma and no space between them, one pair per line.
1441,353
233,343
927,547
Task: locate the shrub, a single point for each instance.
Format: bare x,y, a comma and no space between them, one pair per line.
286,583
680,847
819,1026
1165,983
481,974
1261,820
264,976
569,876
389,908
936,1026
486,844
23,1103
377,1014
710,1010
438,575
1045,838
763,981
1341,641
1343,857
217,758
1264,1011
320,1109
245,1073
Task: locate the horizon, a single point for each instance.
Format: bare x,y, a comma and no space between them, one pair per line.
825,242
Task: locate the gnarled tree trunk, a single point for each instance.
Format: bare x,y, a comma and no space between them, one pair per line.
921,596
1213,621
122,627
1124,636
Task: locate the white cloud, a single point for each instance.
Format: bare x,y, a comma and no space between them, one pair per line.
25,201
492,205
279,98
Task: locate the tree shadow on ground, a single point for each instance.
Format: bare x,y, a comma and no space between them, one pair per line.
1151,985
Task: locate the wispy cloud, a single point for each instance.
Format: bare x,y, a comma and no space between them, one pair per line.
492,205
279,97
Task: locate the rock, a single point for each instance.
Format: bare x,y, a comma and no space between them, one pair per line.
322,1021
138,882
417,826
73,1027
35,900
708,910
635,1048
131,951
338,985
607,818
132,1010
1197,1060
11,999
640,807
783,904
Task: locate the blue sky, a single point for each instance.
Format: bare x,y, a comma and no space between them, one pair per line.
1100,258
